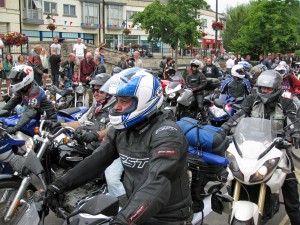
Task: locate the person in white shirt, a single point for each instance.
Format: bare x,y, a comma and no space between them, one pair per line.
230,64
79,49
55,46
1,47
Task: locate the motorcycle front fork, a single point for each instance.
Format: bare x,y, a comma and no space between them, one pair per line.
261,196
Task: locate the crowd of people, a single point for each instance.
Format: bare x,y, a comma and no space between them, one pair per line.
128,112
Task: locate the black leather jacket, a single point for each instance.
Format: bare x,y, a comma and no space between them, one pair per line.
100,68
196,81
154,160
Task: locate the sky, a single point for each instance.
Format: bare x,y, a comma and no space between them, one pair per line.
223,4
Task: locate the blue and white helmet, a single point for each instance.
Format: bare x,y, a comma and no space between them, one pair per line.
247,66
143,87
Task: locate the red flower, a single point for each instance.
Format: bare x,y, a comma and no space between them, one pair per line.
217,26
14,38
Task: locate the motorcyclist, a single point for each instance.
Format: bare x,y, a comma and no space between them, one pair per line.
116,70
247,68
237,85
27,91
153,152
98,115
269,104
196,81
256,71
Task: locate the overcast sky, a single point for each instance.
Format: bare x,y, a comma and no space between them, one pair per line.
223,4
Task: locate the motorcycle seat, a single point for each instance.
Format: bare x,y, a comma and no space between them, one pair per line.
69,111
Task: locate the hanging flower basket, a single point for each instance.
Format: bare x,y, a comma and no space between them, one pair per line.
51,26
203,34
14,38
126,31
217,26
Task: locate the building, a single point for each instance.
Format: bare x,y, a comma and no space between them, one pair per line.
92,20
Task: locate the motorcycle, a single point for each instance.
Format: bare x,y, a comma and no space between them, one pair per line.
222,109
62,99
20,199
83,95
257,171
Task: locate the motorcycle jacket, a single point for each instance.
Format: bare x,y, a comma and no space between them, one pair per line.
66,70
236,88
154,159
196,81
277,111
291,84
100,68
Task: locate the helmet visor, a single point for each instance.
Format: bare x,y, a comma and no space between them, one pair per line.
240,71
16,76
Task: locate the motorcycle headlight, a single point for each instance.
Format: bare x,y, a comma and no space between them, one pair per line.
234,167
264,170
172,95
79,89
29,145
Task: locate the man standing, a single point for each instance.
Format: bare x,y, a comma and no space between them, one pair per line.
55,46
264,61
210,70
137,61
99,68
229,64
87,66
66,71
36,63
79,49
54,63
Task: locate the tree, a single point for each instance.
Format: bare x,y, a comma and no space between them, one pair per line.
235,19
271,26
174,23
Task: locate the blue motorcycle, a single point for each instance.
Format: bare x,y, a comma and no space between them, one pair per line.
18,140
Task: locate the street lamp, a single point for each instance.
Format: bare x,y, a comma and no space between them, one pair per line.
216,30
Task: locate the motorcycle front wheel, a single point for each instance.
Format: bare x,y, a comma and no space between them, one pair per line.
8,189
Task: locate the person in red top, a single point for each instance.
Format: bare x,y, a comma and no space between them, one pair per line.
87,66
290,82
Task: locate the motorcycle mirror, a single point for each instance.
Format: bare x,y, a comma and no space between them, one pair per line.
100,204
33,163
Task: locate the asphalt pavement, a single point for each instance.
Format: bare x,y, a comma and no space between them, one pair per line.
213,218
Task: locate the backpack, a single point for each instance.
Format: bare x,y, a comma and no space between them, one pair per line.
205,138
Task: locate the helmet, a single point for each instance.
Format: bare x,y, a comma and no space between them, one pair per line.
247,66
282,68
258,69
116,70
238,71
270,79
21,76
100,79
146,91
195,62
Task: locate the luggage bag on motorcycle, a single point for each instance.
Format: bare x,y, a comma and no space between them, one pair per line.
205,138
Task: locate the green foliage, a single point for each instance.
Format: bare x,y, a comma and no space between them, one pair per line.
270,26
297,52
174,23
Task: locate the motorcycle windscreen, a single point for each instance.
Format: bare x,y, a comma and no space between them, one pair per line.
172,87
253,136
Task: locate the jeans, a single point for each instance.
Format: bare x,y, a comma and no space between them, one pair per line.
113,175
55,79
68,83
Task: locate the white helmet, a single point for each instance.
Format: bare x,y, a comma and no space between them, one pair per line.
282,68
21,76
143,87
238,71
195,62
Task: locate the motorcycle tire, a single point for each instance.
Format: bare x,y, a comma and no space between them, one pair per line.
8,189
238,222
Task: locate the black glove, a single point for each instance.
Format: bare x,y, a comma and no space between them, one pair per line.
226,128
52,125
90,136
11,130
4,113
17,163
54,196
296,139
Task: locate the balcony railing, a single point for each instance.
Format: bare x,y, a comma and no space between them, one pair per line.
34,16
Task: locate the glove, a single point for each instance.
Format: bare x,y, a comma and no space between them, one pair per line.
17,163
226,128
4,113
11,130
54,196
296,139
89,137
52,125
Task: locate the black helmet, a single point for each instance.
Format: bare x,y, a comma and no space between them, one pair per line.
100,79
269,79
116,70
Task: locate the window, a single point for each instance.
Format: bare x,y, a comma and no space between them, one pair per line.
115,15
32,4
204,22
69,10
2,3
50,7
129,14
90,13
